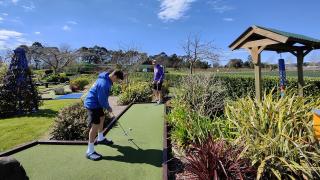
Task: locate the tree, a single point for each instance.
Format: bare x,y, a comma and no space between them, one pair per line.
33,52
197,50
56,58
248,63
18,93
235,63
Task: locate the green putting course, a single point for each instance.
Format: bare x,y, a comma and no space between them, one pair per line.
124,160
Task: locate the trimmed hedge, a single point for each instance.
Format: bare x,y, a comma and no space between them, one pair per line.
240,86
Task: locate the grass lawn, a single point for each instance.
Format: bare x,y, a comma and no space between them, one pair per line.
124,160
18,130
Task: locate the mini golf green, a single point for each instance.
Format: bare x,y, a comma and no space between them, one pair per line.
124,160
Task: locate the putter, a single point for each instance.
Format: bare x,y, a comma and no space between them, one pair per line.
125,132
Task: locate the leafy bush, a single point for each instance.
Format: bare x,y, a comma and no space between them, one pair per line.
137,92
187,126
71,123
218,160
239,86
79,83
48,71
62,78
3,72
116,89
278,135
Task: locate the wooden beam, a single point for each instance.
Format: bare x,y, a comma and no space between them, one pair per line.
294,53
241,41
282,48
256,58
261,42
261,48
306,52
300,56
270,35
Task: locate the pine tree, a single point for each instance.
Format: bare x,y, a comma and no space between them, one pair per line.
18,94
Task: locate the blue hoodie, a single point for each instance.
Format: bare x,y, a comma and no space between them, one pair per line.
98,94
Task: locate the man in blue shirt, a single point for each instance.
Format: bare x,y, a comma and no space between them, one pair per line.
95,102
157,81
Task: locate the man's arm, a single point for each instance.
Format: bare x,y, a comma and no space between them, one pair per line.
103,94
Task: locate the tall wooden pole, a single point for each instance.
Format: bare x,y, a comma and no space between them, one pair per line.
256,58
300,57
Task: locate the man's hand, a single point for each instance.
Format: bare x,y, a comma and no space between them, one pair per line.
158,82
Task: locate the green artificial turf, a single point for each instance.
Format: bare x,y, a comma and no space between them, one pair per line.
21,129
124,160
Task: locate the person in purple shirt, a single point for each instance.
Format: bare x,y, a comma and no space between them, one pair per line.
157,81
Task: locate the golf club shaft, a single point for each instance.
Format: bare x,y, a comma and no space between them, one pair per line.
125,132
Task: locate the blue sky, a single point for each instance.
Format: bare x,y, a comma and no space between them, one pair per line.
152,26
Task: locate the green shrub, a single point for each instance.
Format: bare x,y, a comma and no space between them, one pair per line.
71,123
3,72
278,135
187,126
79,83
62,78
239,86
116,89
136,92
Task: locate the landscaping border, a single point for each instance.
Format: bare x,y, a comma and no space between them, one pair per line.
165,146
107,129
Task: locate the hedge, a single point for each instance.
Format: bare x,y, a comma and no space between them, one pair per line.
239,86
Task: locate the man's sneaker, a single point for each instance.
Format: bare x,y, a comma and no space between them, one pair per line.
159,102
105,142
94,156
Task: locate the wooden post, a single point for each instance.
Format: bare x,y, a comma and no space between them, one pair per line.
300,57
256,58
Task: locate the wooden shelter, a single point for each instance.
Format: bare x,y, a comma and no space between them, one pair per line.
256,39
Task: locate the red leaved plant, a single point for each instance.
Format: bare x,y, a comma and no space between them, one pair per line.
214,160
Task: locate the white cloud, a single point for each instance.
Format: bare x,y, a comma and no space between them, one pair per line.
29,7
14,1
72,22
219,7
1,19
66,28
149,25
5,14
173,9
228,19
37,32
11,39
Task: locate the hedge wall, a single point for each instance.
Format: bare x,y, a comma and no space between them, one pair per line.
240,86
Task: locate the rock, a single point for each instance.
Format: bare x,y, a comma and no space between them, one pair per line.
11,169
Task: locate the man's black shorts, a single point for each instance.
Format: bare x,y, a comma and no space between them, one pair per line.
157,86
94,116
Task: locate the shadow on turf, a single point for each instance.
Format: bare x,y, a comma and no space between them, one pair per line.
41,113
131,155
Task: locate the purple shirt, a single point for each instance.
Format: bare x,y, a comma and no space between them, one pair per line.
158,73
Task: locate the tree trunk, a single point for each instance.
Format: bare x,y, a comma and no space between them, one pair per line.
191,68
